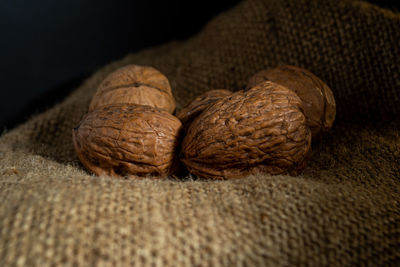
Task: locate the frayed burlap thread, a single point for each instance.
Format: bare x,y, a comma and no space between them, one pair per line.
343,210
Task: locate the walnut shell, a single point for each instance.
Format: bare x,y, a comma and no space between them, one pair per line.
135,85
261,130
128,139
318,101
194,108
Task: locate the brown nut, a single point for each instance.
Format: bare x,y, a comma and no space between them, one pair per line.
197,106
135,85
128,139
262,130
318,101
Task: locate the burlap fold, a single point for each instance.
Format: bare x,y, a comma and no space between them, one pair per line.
343,210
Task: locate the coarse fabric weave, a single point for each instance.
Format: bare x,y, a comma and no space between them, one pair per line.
343,210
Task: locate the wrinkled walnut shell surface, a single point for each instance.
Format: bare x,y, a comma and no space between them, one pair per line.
261,130
191,111
135,84
123,140
318,101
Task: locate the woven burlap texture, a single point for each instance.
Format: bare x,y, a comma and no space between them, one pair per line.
343,210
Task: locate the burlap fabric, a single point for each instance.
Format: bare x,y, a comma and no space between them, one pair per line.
343,210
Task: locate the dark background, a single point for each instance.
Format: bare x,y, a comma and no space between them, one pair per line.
48,47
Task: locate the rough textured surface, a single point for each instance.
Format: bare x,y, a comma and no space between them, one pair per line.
344,210
199,104
135,84
319,104
261,130
128,140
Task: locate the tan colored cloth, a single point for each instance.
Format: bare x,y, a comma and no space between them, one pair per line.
343,210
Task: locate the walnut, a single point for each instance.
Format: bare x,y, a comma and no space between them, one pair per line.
318,101
261,130
136,85
191,111
128,139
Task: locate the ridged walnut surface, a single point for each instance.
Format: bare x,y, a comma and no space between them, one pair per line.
135,84
122,140
319,104
342,211
197,106
261,130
